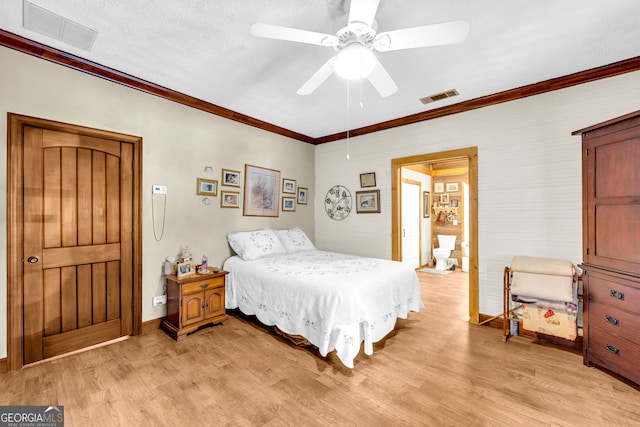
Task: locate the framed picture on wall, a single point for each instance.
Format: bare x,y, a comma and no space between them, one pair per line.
230,178
207,187
451,187
368,201
454,203
261,191
368,179
444,199
426,204
288,185
229,199
288,204
438,187
302,195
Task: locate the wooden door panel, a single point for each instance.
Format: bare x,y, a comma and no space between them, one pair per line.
52,214
80,338
113,290
52,297
99,292
112,175
128,206
53,138
69,202
99,198
84,198
68,299
83,289
60,257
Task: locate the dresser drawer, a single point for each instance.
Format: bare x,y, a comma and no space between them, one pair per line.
202,285
613,291
615,321
614,353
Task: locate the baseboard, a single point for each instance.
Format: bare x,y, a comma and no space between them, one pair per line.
151,325
4,366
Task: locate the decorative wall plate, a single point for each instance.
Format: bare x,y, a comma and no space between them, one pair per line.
338,202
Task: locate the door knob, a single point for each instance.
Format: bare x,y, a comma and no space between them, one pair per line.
33,259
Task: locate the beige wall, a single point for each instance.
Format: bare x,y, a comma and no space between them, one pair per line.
178,142
529,175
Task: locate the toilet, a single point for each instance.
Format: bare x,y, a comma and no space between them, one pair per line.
446,244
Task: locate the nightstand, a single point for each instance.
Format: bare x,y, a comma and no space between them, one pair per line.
193,302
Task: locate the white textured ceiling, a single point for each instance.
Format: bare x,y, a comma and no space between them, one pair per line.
203,48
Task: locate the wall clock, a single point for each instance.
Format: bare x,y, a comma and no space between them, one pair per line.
338,202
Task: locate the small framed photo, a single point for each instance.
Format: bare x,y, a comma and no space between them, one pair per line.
302,195
207,187
288,204
368,179
438,187
368,201
444,199
426,204
230,178
451,187
229,199
288,185
454,203
185,268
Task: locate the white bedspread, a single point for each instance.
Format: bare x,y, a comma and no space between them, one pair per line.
335,301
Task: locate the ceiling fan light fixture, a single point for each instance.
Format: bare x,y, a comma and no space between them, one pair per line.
354,62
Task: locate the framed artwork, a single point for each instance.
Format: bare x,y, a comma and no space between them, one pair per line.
230,178
368,179
444,199
229,199
302,195
261,191
288,204
454,203
451,187
368,201
207,187
426,204
438,187
288,185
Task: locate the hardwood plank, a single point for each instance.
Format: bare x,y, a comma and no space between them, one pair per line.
52,138
113,199
85,206
52,212
99,292
69,299
99,201
69,197
85,299
113,290
81,338
51,301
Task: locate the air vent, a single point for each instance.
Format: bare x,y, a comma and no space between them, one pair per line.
57,27
439,96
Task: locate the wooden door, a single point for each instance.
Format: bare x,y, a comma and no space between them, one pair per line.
411,229
74,238
192,308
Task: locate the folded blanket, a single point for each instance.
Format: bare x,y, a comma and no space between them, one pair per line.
543,286
554,267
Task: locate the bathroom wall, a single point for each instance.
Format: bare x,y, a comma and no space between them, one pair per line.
452,220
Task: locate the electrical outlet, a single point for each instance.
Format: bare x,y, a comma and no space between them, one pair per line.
159,189
159,300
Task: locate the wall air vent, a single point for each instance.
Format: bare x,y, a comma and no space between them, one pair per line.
439,96
57,27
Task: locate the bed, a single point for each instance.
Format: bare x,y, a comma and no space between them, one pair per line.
335,301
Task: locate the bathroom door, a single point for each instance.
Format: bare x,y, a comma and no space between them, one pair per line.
411,223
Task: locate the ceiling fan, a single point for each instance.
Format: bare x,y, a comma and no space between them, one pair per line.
355,43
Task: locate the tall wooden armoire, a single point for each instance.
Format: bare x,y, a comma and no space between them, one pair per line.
611,244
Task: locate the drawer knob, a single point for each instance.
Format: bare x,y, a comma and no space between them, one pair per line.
204,285
613,349
617,295
612,320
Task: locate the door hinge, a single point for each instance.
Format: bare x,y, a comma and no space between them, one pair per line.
587,251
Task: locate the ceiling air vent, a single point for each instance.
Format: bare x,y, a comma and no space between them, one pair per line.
439,96
57,27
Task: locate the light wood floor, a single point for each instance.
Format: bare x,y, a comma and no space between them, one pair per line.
435,370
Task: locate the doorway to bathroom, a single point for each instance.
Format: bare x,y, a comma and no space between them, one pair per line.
448,205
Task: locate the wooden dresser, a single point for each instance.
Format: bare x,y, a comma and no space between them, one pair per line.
193,302
611,244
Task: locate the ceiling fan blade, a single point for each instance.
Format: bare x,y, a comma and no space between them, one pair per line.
292,34
427,35
318,78
381,80
362,13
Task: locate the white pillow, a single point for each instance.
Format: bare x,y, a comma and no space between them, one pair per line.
250,245
295,240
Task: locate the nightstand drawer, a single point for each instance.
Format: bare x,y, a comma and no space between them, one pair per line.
202,285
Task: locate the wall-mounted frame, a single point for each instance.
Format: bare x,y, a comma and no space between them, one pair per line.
302,195
368,201
230,178
444,199
229,199
451,187
288,204
207,187
261,191
288,185
438,187
454,203
368,179
426,204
